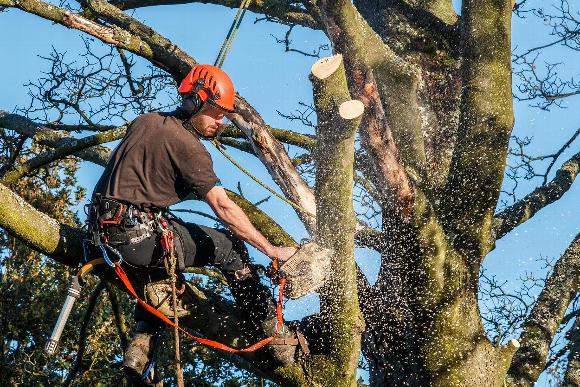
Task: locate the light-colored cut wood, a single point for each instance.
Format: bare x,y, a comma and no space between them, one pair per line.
325,67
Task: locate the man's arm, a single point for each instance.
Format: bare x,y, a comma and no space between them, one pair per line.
237,221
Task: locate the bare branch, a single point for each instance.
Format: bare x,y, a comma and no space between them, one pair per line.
545,318
70,148
542,196
285,12
287,44
44,136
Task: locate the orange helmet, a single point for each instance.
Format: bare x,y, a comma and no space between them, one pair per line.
211,84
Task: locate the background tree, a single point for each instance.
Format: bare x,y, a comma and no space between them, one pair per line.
428,161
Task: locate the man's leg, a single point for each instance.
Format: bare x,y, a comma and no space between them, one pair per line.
139,353
221,249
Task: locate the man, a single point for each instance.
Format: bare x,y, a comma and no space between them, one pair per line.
161,161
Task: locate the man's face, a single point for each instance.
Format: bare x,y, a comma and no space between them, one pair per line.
209,121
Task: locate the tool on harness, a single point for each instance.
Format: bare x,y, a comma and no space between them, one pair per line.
73,292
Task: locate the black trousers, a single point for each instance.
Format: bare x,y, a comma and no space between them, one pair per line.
197,245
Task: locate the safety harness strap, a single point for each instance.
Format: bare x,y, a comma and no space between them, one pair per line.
210,343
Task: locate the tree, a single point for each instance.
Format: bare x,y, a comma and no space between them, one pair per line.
430,95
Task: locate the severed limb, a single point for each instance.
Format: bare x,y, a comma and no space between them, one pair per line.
273,155
338,120
351,36
526,208
546,317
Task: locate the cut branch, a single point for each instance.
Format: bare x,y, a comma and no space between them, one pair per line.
544,320
526,208
350,35
338,120
273,155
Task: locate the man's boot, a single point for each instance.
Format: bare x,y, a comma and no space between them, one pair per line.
139,356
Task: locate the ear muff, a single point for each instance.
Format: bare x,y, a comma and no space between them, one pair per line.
191,104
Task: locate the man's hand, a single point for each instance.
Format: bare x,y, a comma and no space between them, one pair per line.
282,253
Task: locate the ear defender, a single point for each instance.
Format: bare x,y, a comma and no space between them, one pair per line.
191,104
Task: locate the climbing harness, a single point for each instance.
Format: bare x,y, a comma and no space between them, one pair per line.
116,265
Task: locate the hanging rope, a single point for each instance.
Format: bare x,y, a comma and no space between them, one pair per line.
260,182
227,44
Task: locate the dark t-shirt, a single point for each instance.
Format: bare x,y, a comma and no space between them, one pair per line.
158,163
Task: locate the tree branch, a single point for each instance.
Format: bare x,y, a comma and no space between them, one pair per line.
273,155
545,318
283,135
351,36
62,151
486,121
338,119
283,11
572,375
164,55
526,208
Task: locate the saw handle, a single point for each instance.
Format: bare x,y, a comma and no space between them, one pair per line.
73,292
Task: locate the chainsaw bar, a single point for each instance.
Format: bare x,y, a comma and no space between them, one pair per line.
307,270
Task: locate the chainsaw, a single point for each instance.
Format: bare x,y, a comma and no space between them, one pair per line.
305,271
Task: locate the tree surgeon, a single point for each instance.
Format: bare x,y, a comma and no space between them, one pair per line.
161,161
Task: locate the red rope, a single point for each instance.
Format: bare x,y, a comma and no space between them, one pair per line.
210,343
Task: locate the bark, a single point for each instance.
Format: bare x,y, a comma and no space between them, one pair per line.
572,375
338,119
350,36
486,121
272,154
545,318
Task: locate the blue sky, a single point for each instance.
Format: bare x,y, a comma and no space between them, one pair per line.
274,80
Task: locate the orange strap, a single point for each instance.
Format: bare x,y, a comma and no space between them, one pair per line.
210,343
